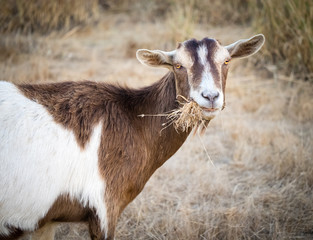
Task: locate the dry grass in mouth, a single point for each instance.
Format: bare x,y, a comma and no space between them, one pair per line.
188,116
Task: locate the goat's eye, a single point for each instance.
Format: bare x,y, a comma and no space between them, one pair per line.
178,66
226,62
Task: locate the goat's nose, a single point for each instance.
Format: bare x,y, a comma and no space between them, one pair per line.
211,96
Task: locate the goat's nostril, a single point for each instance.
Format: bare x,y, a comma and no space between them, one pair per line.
210,96
216,95
204,95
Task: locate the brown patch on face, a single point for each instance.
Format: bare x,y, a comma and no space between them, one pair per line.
212,45
192,47
224,78
181,80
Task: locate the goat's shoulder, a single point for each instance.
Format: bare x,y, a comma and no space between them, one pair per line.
79,106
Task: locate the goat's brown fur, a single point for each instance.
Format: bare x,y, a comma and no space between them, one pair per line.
131,148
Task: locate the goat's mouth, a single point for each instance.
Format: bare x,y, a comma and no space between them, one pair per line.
210,113
209,109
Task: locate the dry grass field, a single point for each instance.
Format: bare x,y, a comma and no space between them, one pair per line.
249,176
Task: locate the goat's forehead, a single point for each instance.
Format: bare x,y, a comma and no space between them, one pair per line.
194,51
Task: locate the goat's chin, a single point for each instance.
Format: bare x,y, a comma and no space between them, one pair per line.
210,113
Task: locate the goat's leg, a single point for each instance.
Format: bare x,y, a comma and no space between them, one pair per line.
96,232
95,228
46,232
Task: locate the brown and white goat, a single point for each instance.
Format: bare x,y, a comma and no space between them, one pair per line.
77,151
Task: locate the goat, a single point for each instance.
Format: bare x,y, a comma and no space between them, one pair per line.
77,151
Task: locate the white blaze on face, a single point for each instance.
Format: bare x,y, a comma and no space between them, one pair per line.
208,93
207,86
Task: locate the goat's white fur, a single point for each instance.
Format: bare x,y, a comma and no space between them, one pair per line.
207,84
50,163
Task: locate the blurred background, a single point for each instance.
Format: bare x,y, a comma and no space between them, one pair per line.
250,176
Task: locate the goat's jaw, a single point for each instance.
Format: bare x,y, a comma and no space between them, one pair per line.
210,113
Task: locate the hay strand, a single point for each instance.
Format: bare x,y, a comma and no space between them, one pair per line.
187,117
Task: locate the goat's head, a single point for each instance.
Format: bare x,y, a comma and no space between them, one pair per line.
200,68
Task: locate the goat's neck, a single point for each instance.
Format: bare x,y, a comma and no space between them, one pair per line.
161,137
145,145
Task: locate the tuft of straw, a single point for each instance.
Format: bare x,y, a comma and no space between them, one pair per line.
187,117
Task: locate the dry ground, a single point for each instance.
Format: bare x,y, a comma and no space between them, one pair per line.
250,176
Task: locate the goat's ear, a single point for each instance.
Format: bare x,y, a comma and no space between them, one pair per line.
246,47
155,58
